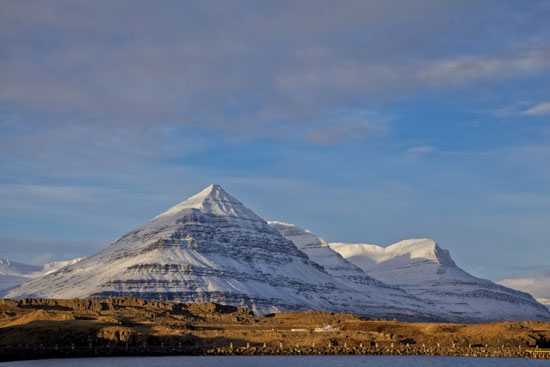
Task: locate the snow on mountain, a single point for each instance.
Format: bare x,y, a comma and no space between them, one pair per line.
318,250
210,248
56,265
13,273
423,269
8,267
213,200
538,286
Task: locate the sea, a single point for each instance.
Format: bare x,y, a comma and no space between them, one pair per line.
286,361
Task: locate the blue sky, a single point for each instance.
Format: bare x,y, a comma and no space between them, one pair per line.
361,121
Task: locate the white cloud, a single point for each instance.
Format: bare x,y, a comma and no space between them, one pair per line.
341,133
46,192
537,285
472,68
165,66
421,149
540,109
346,125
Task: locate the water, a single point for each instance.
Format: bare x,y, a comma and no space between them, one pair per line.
287,361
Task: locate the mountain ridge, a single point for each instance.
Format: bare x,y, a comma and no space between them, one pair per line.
423,269
318,250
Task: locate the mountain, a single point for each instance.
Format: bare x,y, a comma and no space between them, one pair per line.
211,248
318,250
538,286
423,269
56,265
13,273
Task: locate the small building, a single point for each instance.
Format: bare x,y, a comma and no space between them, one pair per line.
327,328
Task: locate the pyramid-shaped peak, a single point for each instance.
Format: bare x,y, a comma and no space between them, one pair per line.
212,190
213,200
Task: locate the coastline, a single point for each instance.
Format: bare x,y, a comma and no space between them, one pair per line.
30,353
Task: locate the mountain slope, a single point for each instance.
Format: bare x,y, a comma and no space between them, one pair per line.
209,248
538,286
318,250
425,270
13,273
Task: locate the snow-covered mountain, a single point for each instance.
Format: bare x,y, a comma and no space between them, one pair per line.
538,286
423,269
318,250
212,248
56,265
13,273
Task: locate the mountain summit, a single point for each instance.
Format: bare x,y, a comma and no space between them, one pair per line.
215,201
211,247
